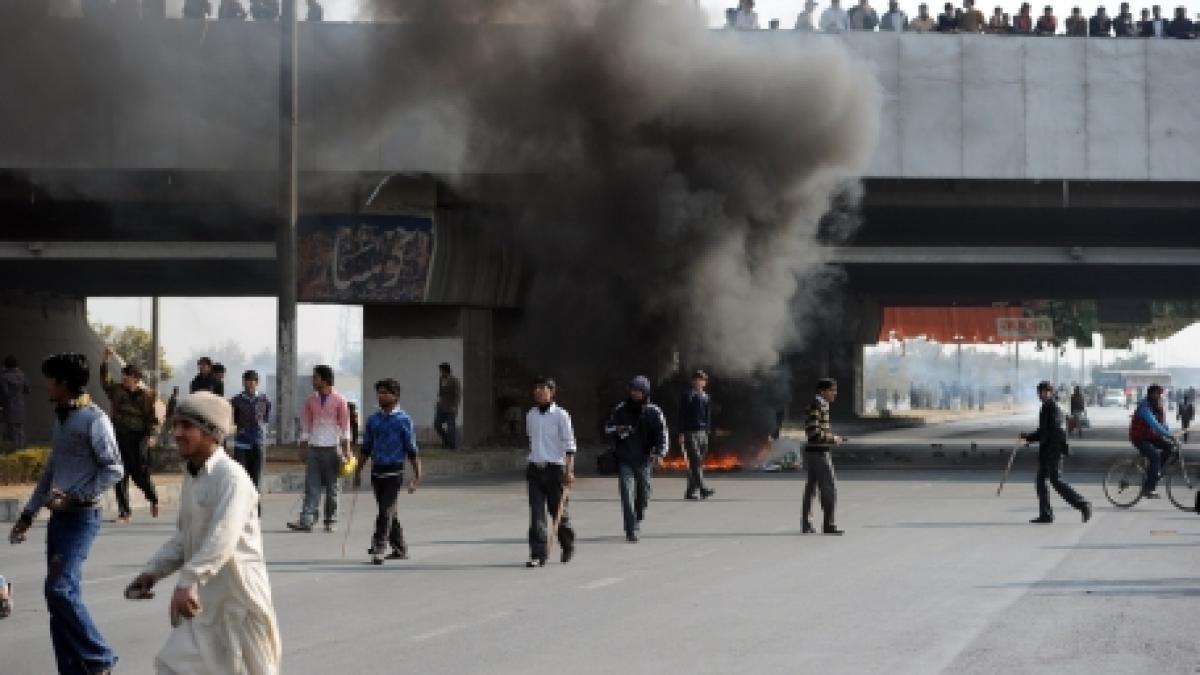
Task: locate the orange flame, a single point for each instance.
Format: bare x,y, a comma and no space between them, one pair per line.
711,463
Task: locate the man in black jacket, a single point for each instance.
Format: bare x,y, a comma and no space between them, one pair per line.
1100,25
639,434
695,422
1051,436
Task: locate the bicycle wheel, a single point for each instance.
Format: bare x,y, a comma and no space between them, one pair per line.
1181,486
1123,482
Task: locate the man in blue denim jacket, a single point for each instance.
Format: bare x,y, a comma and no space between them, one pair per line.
84,462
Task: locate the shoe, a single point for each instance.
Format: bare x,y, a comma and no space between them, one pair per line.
1086,510
631,537
830,529
376,559
567,554
706,493
330,527
124,519
300,527
808,529
154,510
691,498
1150,495
1042,520
397,554
536,562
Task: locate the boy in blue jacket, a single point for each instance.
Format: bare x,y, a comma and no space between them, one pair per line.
387,440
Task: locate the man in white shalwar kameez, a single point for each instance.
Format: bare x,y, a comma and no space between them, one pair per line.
224,622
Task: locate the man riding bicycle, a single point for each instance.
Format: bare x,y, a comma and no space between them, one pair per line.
1149,434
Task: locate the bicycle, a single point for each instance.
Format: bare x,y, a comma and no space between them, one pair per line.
1124,479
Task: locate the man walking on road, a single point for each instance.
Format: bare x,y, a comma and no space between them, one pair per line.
387,441
695,422
817,457
221,611
639,434
1187,412
445,415
135,420
251,414
84,462
13,390
1051,436
325,428
550,472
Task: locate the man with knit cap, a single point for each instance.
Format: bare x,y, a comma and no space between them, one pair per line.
221,611
639,435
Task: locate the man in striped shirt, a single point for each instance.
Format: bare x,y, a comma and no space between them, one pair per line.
326,430
821,439
387,441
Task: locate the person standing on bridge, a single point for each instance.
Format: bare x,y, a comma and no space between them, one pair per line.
326,430
135,420
84,462
13,390
640,441
1149,433
695,423
387,441
818,460
550,472
221,611
1051,436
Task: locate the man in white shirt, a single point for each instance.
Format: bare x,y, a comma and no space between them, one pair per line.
834,19
221,611
551,470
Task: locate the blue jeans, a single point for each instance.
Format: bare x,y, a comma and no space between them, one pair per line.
1152,450
78,645
635,492
445,424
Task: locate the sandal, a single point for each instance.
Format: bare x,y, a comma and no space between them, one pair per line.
6,601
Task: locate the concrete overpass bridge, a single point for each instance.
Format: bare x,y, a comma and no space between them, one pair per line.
141,158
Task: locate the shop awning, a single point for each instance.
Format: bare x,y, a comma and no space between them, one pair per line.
945,324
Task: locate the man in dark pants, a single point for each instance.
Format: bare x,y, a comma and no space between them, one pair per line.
1051,437
251,414
550,472
1149,433
639,433
387,441
136,423
84,462
819,431
1186,412
445,416
695,422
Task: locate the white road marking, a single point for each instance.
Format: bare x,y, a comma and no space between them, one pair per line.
438,632
601,583
701,554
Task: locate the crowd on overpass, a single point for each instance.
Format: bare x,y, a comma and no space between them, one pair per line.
258,10
968,19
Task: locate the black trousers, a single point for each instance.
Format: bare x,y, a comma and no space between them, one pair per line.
137,467
251,460
387,523
1050,471
545,493
821,478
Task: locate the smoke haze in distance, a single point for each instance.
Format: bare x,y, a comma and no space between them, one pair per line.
674,176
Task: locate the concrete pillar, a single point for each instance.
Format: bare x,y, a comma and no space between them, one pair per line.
408,342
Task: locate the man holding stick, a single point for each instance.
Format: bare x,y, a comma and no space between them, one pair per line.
550,473
1051,436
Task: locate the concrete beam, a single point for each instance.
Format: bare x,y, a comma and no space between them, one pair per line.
1014,255
136,250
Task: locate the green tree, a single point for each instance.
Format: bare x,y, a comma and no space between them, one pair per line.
134,345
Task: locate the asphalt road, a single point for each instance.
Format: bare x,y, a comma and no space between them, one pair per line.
935,574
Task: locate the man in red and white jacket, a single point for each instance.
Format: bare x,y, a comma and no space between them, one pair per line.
325,428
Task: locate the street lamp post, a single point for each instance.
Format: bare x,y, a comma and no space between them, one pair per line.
285,239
